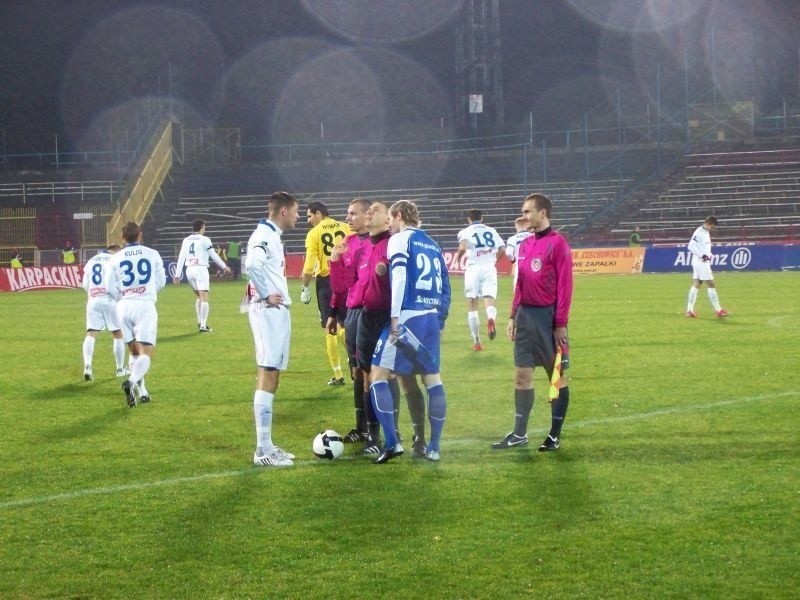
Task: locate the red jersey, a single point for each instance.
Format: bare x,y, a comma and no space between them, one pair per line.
544,263
346,288
374,270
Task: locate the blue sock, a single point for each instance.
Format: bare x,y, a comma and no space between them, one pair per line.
383,405
437,408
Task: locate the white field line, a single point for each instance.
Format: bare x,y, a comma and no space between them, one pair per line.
114,489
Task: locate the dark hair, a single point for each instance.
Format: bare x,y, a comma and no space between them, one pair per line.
711,220
198,224
318,207
541,202
279,200
474,214
131,232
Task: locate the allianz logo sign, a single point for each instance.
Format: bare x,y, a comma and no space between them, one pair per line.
739,258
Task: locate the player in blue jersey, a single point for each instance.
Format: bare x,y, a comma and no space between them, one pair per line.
409,345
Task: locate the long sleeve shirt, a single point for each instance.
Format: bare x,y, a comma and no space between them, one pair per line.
544,276
375,269
346,286
266,263
700,244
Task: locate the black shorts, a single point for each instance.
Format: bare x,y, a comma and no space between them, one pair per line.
324,293
370,325
534,345
350,329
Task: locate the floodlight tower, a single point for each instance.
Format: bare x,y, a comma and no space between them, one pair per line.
479,97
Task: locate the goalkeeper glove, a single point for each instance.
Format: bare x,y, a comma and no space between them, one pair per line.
706,258
305,294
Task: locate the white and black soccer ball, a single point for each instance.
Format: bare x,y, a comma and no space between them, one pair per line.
328,444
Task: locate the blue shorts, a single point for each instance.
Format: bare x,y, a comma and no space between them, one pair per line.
422,356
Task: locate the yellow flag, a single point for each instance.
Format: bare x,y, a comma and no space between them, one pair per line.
555,377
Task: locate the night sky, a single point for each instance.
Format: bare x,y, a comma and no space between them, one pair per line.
373,69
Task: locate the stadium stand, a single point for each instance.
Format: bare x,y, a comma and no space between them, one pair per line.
754,193
443,209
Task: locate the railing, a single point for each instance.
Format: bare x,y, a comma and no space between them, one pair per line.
134,205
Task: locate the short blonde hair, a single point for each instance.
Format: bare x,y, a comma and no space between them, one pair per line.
407,210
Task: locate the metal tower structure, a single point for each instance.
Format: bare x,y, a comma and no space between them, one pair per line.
479,97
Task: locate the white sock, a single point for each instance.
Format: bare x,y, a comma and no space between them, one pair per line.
204,308
88,350
262,412
139,369
119,352
142,388
491,313
712,295
692,298
474,321
197,311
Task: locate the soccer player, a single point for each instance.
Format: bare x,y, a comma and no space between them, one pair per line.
195,252
101,313
512,243
700,247
483,246
538,321
324,234
133,277
374,318
409,345
270,321
347,301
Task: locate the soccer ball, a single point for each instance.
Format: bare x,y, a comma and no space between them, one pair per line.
328,444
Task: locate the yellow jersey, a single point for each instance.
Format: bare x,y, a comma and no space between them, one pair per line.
320,240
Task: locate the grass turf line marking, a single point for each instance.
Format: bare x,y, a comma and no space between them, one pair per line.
113,489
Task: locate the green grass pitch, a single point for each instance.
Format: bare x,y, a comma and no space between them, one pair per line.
677,477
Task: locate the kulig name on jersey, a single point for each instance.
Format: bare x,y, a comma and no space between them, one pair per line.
40,278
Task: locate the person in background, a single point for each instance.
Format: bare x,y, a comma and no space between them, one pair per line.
700,247
513,243
101,313
234,259
635,239
483,246
538,321
324,234
68,254
16,259
270,321
196,249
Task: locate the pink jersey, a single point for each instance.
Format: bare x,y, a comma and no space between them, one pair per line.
544,276
375,268
345,284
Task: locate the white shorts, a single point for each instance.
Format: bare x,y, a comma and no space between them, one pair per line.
701,270
101,313
198,278
139,321
480,281
272,330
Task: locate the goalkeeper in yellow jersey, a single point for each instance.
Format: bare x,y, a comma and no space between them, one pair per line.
325,233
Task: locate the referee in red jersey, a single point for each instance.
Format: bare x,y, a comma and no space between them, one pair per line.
538,322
